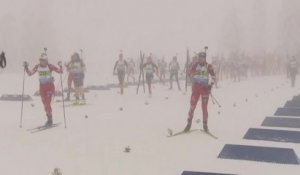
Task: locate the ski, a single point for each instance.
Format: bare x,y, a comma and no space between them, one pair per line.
76,104
171,134
209,134
42,128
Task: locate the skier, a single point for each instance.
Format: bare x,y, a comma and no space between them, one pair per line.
150,68
56,171
131,70
2,60
174,69
47,88
293,70
121,66
162,65
199,74
77,69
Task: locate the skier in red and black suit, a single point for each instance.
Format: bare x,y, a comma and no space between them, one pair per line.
199,73
46,79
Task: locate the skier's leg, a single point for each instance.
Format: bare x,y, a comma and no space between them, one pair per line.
149,85
171,80
77,88
148,80
81,87
177,79
204,104
47,92
193,103
70,80
293,80
43,95
122,82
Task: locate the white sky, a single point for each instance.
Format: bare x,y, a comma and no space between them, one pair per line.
103,27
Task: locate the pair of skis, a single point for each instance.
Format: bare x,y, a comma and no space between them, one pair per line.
42,128
171,134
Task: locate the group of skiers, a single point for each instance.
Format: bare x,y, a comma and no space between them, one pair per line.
238,67
149,68
75,68
199,73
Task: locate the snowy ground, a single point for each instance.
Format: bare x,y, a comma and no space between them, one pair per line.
95,145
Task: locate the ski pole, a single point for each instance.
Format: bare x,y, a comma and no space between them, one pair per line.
63,100
212,100
143,76
215,100
21,118
186,68
58,85
45,50
141,73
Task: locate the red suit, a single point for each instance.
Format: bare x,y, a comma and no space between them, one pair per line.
47,88
199,74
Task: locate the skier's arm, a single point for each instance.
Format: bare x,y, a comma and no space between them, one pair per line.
191,70
155,67
144,65
68,66
126,65
56,69
212,73
115,67
82,66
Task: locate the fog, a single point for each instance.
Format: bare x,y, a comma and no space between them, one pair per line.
163,27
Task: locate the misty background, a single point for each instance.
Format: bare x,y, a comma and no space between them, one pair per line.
163,27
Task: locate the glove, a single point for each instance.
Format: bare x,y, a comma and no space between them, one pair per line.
59,64
208,88
25,64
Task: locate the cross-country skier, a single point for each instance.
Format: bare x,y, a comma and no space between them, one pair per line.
56,172
174,69
150,68
162,66
77,69
121,66
46,79
199,73
293,70
131,70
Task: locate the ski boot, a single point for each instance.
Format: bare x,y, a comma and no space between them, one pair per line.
76,101
205,127
49,121
188,126
68,97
